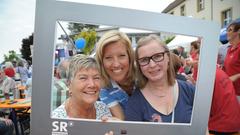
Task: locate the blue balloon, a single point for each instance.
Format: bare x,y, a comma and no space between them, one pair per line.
80,43
223,36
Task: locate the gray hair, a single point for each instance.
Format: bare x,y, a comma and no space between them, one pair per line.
9,64
79,62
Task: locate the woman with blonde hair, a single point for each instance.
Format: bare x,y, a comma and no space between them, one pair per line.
115,57
161,98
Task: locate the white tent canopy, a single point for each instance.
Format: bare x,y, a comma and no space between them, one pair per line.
181,40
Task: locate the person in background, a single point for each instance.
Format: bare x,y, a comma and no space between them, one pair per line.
232,60
7,84
9,69
28,91
222,52
29,67
177,64
193,61
22,71
115,57
60,89
84,82
6,126
175,51
14,64
182,62
224,116
160,97
181,52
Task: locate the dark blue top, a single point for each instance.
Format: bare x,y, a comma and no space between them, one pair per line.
138,108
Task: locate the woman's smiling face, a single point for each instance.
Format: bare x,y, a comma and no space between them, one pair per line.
153,71
86,85
116,61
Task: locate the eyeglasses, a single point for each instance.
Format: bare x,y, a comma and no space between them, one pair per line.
158,57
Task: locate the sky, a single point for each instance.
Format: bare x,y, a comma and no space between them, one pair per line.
17,18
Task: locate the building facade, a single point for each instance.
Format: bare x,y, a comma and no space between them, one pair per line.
221,11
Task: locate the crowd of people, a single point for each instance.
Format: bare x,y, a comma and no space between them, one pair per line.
157,85
149,84
12,76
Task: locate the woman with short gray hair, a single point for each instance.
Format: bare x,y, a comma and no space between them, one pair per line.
84,82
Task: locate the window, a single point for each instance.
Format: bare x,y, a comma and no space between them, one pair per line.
200,5
226,17
182,10
172,13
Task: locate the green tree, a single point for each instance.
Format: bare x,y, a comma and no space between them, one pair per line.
76,28
86,31
169,39
91,37
11,56
26,50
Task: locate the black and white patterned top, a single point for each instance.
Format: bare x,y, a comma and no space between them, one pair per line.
101,110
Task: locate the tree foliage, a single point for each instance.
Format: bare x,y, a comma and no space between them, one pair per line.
169,39
86,31
91,37
11,56
26,50
76,28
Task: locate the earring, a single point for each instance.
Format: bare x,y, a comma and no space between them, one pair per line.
70,93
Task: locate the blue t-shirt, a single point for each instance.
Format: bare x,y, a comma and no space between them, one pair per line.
114,95
138,108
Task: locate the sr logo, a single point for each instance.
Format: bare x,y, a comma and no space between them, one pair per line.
59,126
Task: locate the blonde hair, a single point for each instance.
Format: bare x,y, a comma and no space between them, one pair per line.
78,62
108,38
142,80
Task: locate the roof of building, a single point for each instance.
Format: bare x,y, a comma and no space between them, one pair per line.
172,5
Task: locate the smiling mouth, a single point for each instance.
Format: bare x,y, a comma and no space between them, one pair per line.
117,71
154,72
90,92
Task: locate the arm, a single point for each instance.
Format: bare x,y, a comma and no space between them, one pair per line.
233,78
8,122
109,133
224,103
117,112
192,62
112,103
190,79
